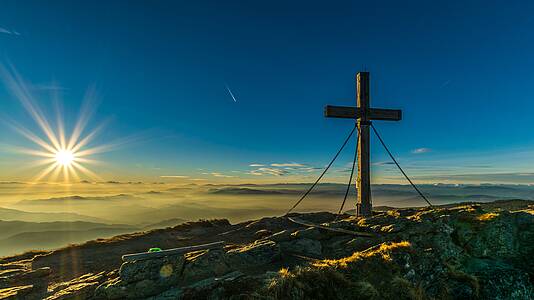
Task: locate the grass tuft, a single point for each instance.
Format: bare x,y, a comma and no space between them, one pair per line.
369,274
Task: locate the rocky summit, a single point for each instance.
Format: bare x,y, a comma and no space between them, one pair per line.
467,251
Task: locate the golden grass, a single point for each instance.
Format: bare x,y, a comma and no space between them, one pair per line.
14,291
486,217
369,274
382,251
310,283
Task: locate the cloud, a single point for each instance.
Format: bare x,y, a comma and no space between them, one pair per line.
174,176
268,171
345,170
10,32
383,163
256,165
216,174
511,177
310,169
293,164
198,179
421,150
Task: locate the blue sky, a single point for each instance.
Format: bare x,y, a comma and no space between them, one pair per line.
461,71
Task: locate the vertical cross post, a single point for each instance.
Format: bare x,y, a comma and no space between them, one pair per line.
363,206
363,114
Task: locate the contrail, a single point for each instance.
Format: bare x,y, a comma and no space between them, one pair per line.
231,94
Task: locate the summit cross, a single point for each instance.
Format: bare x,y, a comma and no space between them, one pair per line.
363,114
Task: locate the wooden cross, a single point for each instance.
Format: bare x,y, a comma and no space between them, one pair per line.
363,114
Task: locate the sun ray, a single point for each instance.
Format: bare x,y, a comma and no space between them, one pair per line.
30,151
106,147
41,162
32,137
62,158
35,164
44,172
86,139
55,174
72,171
65,170
86,171
87,160
85,114
60,125
19,89
94,150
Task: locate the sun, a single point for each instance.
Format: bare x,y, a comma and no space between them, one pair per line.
60,155
64,157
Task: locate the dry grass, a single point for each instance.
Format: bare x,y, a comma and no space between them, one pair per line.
383,251
13,292
370,274
486,217
311,283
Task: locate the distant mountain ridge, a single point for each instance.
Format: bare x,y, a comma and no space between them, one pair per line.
19,236
45,240
9,214
10,228
165,224
77,198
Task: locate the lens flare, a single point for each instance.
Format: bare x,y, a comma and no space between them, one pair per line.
58,153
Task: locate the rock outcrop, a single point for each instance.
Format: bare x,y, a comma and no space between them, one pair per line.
474,251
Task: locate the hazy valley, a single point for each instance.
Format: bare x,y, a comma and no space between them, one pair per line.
87,211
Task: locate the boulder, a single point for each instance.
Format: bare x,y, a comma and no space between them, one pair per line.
314,234
303,246
154,277
253,255
143,278
160,268
262,233
203,264
282,236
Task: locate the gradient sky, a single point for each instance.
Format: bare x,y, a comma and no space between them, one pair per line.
461,71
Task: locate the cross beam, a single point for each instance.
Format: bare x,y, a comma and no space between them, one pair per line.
363,114
347,112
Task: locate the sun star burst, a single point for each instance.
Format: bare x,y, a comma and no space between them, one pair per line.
58,153
65,157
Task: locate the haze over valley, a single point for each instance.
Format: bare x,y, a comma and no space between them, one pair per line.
86,211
